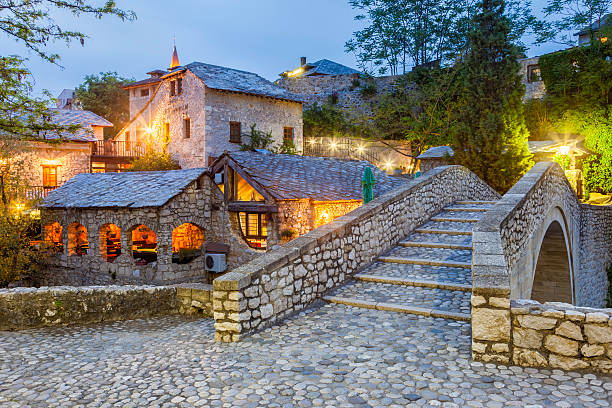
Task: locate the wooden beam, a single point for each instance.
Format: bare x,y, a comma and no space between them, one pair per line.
252,207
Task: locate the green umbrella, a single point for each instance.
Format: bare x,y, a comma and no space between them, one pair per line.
368,185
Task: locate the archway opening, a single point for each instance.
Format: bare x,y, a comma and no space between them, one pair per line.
144,245
552,281
187,240
53,237
78,245
110,242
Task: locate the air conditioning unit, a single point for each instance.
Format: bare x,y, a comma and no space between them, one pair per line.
215,262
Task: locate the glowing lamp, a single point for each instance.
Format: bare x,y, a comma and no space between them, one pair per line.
361,148
564,150
311,141
333,145
148,130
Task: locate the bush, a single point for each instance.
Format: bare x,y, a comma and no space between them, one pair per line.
368,90
154,161
257,139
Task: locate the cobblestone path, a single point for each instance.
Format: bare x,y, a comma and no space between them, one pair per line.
329,356
429,273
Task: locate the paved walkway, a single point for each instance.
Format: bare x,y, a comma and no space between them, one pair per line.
333,356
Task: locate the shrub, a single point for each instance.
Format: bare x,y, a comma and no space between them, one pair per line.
154,161
368,90
257,139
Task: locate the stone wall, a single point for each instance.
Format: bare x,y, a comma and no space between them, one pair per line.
533,90
347,88
294,215
71,158
506,250
562,336
288,279
202,207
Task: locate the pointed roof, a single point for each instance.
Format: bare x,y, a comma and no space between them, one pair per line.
175,59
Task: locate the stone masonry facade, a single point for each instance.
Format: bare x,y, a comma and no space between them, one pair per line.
201,206
288,279
70,159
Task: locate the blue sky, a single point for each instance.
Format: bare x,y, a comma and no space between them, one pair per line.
262,36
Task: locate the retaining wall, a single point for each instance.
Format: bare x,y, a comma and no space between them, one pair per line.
23,308
286,280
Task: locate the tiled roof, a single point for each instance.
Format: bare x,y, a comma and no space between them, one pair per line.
86,119
129,189
228,79
287,177
438,152
603,22
327,67
144,82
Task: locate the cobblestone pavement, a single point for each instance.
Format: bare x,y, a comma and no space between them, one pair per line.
332,356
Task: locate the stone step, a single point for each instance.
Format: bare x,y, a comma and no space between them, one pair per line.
466,209
441,231
430,244
413,282
452,219
454,226
421,261
475,202
415,272
431,254
407,299
465,240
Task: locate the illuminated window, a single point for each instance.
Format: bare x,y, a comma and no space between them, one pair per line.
78,244
49,176
187,241
52,236
244,191
254,229
187,128
288,135
110,242
533,73
143,244
98,167
235,132
167,131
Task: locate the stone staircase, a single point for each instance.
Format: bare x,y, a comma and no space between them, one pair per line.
429,273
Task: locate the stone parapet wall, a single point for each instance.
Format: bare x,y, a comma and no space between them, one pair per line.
288,279
595,251
24,308
560,335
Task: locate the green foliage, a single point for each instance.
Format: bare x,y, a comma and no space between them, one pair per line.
597,170
257,139
562,159
288,233
332,99
19,259
287,147
567,17
154,161
325,120
490,136
368,90
538,119
104,95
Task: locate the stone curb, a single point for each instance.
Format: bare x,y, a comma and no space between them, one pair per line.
418,261
414,282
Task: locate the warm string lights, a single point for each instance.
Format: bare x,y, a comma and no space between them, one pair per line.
361,149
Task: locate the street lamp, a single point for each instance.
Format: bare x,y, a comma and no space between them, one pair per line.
564,151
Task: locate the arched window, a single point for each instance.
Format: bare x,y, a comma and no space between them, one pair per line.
110,242
144,245
77,240
254,229
187,240
53,237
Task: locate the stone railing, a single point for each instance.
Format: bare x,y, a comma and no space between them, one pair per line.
562,336
23,308
506,248
286,280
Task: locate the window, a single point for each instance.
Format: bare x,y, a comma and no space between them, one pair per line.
144,245
179,86
533,73
187,241
52,235
167,131
187,128
172,88
77,240
235,132
49,176
144,92
288,136
243,191
254,229
110,242
98,167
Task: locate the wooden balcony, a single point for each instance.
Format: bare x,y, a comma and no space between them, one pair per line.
114,149
39,192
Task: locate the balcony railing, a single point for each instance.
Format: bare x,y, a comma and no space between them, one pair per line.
111,148
39,192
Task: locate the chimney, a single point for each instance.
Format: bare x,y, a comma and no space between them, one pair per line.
302,61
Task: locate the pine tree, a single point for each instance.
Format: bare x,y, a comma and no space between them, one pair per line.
490,137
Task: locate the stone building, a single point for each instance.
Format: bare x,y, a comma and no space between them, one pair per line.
137,227
198,111
322,67
434,157
531,78
274,198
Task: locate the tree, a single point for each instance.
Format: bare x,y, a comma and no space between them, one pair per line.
154,161
404,33
31,24
571,16
325,120
490,136
104,95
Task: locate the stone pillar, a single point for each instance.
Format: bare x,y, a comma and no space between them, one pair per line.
491,325
230,306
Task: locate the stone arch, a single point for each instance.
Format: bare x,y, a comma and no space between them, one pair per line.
53,236
553,277
110,242
142,244
78,242
187,242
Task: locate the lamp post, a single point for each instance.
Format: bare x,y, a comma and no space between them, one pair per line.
564,151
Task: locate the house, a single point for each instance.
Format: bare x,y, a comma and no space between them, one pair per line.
67,99
136,227
531,78
584,35
274,198
197,111
434,157
322,67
